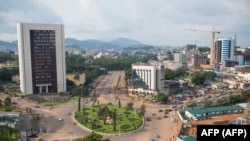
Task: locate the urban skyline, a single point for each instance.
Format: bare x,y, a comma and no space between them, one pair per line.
160,23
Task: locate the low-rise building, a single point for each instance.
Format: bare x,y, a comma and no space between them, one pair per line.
244,85
171,87
204,113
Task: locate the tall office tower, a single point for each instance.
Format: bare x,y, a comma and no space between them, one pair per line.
41,58
224,49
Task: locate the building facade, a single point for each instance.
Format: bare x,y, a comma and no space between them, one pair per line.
171,87
146,76
189,51
224,49
41,58
197,60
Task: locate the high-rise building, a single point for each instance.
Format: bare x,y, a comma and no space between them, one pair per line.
224,49
41,58
188,52
179,57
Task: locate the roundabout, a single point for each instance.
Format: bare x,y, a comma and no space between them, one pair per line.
109,119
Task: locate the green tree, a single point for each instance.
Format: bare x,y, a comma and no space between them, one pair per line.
79,103
161,97
8,133
93,137
119,103
245,93
7,103
70,84
5,56
103,113
180,71
130,105
234,98
207,103
169,74
128,74
77,77
191,104
142,109
114,120
198,79
80,91
1,102
5,74
209,75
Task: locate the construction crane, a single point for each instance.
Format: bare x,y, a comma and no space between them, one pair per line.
212,50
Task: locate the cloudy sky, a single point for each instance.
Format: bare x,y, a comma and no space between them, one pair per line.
156,22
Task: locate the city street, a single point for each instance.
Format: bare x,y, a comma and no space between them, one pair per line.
159,128
59,124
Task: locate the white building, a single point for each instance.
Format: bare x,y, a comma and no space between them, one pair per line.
41,58
150,74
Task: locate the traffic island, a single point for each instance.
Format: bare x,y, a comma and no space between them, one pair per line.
109,119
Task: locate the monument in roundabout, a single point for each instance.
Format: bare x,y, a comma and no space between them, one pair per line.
109,119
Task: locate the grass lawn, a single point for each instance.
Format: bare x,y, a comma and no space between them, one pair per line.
187,78
127,119
12,110
55,103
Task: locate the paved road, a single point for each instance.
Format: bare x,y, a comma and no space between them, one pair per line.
159,128
55,129
65,130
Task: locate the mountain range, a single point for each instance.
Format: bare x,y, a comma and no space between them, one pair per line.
85,44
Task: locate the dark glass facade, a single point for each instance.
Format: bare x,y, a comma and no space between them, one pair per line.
43,60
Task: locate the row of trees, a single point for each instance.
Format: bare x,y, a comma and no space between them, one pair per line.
6,56
8,133
93,137
172,74
76,63
198,78
122,63
6,104
7,73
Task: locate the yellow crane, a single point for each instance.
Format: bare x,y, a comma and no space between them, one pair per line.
212,50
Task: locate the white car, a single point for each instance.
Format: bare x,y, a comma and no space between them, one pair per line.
172,120
60,119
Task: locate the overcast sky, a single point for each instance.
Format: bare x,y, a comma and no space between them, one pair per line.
155,22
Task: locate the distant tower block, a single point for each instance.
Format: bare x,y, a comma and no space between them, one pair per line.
41,58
